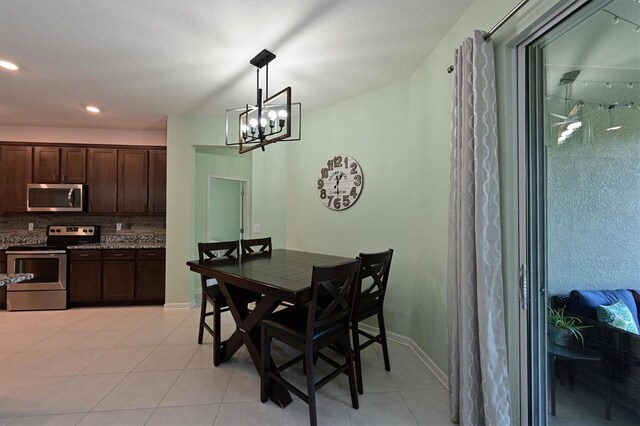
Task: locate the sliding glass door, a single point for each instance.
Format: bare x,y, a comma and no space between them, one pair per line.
580,215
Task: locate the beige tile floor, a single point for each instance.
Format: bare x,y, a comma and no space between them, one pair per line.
135,366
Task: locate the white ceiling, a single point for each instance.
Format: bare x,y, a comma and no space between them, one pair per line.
141,60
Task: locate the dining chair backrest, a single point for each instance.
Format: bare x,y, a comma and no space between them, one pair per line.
374,274
264,245
335,286
209,251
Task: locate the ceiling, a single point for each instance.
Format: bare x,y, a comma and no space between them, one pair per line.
603,52
140,61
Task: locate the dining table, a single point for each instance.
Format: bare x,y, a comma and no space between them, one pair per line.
281,275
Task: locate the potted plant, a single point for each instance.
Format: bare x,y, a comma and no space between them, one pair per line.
563,329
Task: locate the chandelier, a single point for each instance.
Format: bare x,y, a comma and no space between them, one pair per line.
271,119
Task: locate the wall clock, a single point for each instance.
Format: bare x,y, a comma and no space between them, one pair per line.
340,182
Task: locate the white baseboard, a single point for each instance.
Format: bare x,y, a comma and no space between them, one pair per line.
406,341
178,306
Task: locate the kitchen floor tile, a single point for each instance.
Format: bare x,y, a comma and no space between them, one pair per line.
412,374
117,360
53,420
58,341
168,358
429,407
18,395
145,337
66,363
330,411
191,415
249,414
78,394
139,390
384,408
103,339
200,386
119,418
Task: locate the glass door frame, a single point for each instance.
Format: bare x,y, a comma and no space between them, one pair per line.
531,210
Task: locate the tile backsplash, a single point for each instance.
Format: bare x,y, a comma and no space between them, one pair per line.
18,224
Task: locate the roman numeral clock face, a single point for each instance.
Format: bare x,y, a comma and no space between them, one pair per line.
340,182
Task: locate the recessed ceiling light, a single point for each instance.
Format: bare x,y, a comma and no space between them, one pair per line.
93,109
8,65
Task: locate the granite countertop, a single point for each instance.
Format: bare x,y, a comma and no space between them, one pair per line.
107,242
120,245
14,278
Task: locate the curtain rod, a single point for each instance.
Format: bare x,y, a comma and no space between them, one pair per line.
497,26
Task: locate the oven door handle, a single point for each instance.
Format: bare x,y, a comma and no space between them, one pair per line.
28,253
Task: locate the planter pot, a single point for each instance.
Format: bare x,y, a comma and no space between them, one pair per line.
561,336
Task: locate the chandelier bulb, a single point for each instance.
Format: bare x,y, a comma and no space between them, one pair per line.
263,122
273,115
253,123
282,113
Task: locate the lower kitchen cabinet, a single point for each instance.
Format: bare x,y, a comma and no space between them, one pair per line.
150,276
118,274
108,277
85,276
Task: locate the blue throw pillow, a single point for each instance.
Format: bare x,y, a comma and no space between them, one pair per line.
617,315
585,302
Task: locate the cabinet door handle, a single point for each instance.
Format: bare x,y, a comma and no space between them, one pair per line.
64,178
117,254
151,254
54,177
84,255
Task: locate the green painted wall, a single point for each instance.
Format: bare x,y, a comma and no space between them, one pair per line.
372,129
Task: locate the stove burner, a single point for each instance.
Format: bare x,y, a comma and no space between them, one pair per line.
59,237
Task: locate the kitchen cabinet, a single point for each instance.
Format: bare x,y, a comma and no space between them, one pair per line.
118,275
46,164
102,179
157,181
52,164
85,276
133,172
150,275
15,174
73,165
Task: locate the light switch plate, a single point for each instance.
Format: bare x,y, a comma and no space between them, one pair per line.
256,228
30,228
118,227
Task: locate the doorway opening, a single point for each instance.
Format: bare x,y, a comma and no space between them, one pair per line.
226,208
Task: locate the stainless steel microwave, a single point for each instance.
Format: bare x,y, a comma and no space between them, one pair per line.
55,197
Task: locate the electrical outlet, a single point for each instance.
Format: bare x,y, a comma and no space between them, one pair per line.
30,228
256,228
118,226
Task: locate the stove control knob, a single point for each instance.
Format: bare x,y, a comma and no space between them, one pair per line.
91,231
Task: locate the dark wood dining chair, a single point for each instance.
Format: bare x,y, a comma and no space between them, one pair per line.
263,244
310,327
217,251
369,301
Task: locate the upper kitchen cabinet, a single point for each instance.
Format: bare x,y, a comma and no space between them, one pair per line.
52,164
102,179
157,181
73,165
15,174
133,172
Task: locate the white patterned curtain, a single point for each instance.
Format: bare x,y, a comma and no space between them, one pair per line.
478,379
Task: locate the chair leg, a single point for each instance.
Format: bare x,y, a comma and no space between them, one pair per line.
203,310
383,341
265,355
350,371
311,386
356,355
216,336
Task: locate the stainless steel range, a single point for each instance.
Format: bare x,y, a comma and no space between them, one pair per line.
48,263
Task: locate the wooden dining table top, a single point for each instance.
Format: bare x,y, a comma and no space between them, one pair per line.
284,273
